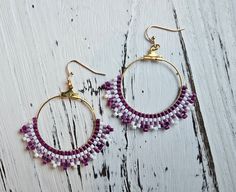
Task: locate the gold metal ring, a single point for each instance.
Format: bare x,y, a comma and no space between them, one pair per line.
158,59
85,102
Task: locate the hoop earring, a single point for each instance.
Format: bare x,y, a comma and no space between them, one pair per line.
162,120
65,159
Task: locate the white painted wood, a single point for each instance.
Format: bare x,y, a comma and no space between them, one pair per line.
38,38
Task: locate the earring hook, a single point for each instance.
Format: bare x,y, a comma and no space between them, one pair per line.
152,39
70,93
83,65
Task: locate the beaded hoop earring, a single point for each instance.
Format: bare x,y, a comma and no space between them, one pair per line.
152,121
65,159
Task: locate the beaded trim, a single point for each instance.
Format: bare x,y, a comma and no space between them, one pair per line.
146,122
65,159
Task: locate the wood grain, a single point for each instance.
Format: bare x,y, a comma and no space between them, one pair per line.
38,38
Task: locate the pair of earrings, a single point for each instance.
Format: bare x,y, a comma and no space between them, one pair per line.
121,109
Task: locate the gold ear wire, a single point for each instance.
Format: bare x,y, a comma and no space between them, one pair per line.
152,39
70,93
83,65
69,74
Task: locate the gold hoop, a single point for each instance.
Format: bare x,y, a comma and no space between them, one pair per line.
180,79
157,60
85,102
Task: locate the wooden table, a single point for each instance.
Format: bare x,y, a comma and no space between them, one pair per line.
38,38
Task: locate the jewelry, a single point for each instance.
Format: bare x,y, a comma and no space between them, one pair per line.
162,120
65,159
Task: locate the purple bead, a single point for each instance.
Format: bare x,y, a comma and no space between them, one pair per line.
184,115
145,130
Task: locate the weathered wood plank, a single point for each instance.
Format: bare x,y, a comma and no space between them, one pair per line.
39,37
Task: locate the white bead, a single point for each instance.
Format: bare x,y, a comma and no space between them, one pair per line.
177,108
134,127
36,155
120,114
171,113
78,163
138,125
82,153
24,138
54,165
93,156
174,111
